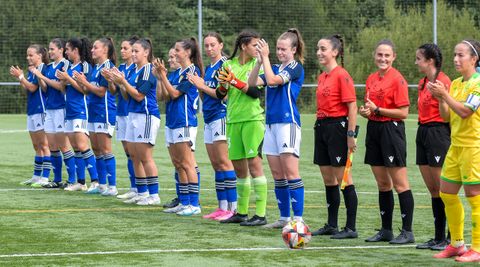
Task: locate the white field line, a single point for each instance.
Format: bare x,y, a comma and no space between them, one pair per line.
203,189
158,251
12,131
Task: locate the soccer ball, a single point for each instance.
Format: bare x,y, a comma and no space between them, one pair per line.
296,235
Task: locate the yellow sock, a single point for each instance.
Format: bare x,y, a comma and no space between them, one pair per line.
455,217
475,204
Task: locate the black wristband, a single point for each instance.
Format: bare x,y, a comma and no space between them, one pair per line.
253,92
219,94
377,111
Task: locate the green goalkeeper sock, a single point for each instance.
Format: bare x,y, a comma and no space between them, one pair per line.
243,190
260,187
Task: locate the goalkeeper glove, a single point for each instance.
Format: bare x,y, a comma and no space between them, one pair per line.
227,76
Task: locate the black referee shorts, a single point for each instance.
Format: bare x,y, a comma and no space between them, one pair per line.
433,141
386,144
331,142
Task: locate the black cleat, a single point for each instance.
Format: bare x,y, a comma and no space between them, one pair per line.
326,230
404,237
173,203
441,245
382,235
345,233
427,245
254,221
237,218
52,185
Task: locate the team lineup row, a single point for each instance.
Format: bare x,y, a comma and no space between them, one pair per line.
77,102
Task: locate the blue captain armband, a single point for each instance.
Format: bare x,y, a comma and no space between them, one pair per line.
473,101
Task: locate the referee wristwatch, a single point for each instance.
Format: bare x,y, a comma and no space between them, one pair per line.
350,133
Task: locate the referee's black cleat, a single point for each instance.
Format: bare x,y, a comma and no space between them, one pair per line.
254,221
433,243
237,218
345,233
404,237
441,245
173,203
326,230
381,235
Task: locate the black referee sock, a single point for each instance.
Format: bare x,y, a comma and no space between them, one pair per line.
386,202
351,203
439,218
333,203
406,208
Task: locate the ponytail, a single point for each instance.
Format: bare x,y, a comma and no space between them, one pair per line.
146,44
296,39
336,41
39,49
195,56
84,48
244,38
108,42
133,39
474,47
60,44
432,51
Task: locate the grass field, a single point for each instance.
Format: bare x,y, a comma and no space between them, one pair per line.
50,227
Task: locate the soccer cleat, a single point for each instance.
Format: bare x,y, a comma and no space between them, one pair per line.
175,209
236,218
404,237
254,221
226,215
52,185
381,235
102,188
189,211
40,183
128,195
429,244
441,245
76,187
279,224
173,203
31,181
93,189
469,256
150,200
135,199
214,214
451,251
326,230
345,233
110,191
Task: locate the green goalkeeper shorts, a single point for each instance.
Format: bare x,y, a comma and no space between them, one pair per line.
245,139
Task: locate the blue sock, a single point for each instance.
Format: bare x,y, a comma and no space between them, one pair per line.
184,194
230,181
111,169
198,176
37,166
142,186
152,182
220,186
193,191
69,160
177,183
91,164
283,197
297,196
80,167
46,166
101,169
56,165
131,172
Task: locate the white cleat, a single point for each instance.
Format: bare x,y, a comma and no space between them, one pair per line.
32,180
189,211
40,183
175,209
151,200
93,189
76,187
130,194
135,199
111,191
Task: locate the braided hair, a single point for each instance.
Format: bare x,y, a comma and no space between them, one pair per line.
244,38
432,51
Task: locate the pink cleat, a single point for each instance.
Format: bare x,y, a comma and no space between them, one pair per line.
226,215
214,214
451,251
469,256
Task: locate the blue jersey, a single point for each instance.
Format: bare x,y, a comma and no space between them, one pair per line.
172,76
182,111
75,101
55,99
36,100
122,104
281,100
101,109
213,108
143,80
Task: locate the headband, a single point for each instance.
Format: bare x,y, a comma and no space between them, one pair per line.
474,50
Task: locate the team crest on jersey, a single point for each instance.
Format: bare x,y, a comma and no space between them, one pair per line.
326,91
180,78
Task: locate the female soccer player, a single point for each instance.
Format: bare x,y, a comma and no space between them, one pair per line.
215,138
386,106
334,135
122,112
283,134
37,58
143,121
101,116
55,114
181,122
433,138
462,163
245,128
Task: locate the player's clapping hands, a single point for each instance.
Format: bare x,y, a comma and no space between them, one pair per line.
438,89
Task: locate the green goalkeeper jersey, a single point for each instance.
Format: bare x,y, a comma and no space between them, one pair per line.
241,107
